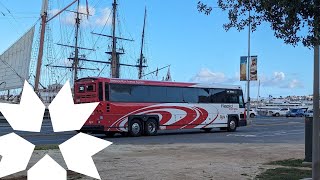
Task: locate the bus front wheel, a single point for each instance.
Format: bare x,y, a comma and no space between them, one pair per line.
151,127
136,128
232,124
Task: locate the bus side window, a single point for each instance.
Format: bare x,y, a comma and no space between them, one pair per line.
174,95
106,91
232,98
241,103
203,95
218,96
100,91
190,95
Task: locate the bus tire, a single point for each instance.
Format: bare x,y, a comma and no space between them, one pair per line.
252,115
232,124
151,127
135,128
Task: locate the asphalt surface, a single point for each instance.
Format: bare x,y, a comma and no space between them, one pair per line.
262,130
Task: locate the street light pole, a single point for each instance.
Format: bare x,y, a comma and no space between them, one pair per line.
315,134
248,72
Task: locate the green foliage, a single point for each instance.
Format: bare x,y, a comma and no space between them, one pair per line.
292,20
290,163
284,174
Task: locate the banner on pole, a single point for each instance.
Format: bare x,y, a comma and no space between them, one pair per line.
253,68
243,68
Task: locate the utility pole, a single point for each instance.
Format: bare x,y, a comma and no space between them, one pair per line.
44,15
76,50
115,64
142,43
315,134
248,74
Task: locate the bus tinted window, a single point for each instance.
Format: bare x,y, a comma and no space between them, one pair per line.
100,91
204,95
174,94
157,94
241,103
139,94
120,93
106,90
190,95
218,96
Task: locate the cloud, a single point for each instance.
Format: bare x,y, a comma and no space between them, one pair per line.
96,19
293,84
278,76
207,76
277,79
104,17
280,80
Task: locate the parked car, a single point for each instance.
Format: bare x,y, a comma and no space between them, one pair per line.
280,112
295,113
253,113
309,113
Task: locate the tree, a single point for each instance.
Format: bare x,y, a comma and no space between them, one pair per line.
292,21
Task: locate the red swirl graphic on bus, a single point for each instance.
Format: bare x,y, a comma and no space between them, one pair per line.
172,116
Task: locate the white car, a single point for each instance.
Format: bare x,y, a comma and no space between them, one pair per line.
280,112
253,113
309,113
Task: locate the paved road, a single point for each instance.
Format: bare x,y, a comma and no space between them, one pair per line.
263,130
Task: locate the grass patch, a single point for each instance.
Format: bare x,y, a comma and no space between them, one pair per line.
47,147
284,174
290,163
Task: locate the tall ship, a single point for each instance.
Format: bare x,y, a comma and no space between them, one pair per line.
46,57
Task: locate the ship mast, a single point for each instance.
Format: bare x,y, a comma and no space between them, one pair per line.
140,74
76,51
44,21
44,16
115,64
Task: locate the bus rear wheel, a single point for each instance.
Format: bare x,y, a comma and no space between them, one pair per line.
151,128
136,128
232,125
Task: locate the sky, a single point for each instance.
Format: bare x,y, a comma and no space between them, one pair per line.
195,45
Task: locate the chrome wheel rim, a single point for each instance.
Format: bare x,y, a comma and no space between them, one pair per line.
151,127
232,125
135,128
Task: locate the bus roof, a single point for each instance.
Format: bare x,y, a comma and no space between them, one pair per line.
158,83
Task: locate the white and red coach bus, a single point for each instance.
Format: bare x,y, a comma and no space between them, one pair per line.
141,107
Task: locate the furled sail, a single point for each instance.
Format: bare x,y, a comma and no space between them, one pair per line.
15,62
